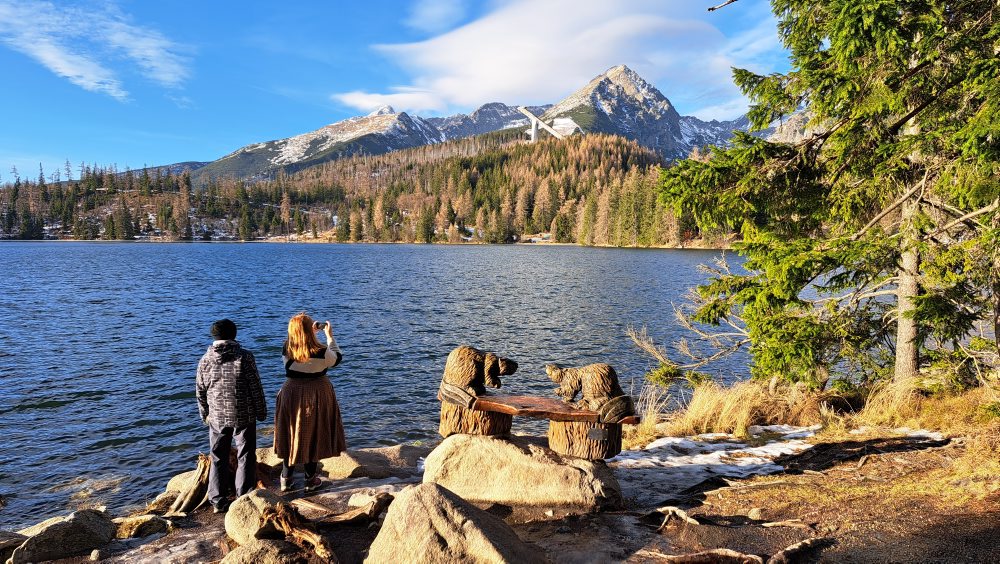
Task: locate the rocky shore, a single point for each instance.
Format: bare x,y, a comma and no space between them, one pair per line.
475,498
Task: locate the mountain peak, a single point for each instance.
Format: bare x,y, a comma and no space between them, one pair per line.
383,111
620,70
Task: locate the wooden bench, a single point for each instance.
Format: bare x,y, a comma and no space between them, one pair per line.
572,431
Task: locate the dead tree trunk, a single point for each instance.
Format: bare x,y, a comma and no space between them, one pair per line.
196,491
457,419
585,440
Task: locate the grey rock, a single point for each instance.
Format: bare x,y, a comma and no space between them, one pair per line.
244,520
384,462
428,523
181,481
266,552
8,542
518,472
61,537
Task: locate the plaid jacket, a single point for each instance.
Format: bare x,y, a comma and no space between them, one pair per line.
228,387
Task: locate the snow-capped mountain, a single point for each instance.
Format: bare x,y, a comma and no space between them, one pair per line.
622,103
489,117
381,131
618,101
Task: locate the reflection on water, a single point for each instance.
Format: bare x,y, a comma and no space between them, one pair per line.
99,342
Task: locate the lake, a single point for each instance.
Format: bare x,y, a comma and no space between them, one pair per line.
99,342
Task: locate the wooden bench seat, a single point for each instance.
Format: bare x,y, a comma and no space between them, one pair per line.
572,431
541,408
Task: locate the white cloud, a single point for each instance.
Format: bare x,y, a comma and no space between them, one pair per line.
81,44
531,52
433,16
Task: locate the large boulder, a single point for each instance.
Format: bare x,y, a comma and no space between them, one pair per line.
518,472
245,519
181,482
383,462
61,537
428,523
266,552
8,542
267,456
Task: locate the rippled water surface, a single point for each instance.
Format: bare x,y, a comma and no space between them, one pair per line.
99,342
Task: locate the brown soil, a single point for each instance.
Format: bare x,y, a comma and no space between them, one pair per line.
874,500
877,500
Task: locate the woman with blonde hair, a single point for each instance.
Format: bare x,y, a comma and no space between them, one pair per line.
307,423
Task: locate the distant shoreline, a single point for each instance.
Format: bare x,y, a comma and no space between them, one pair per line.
695,245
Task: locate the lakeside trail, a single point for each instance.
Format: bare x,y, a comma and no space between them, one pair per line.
873,496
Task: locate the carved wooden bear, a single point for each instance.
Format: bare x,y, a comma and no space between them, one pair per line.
598,382
472,369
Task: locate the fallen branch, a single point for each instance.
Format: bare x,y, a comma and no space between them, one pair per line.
301,531
669,512
715,556
863,461
789,554
364,514
797,523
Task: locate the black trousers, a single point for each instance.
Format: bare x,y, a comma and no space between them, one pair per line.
220,475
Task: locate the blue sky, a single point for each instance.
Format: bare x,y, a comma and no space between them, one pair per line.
137,82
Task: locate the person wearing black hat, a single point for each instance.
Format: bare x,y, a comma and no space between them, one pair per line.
231,401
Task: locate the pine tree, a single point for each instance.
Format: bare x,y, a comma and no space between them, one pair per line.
286,212
870,243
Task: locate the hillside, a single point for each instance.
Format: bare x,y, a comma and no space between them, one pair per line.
595,189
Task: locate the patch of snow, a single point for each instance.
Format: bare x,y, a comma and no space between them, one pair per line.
668,466
920,433
295,149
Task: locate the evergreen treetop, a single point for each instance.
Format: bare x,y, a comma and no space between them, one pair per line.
870,245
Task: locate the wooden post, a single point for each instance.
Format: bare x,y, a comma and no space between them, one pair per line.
457,419
585,440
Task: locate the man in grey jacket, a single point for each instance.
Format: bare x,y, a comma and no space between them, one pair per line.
231,401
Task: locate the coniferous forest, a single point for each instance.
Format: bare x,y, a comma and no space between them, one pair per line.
591,189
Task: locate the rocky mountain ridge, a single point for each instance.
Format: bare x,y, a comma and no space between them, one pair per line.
618,101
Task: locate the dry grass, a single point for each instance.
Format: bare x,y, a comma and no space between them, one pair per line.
901,404
652,405
716,409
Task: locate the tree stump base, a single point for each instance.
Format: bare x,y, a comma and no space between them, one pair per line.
456,419
583,439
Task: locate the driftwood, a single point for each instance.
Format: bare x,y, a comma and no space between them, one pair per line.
790,554
299,530
715,556
456,419
585,440
797,523
725,555
196,492
359,515
670,512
